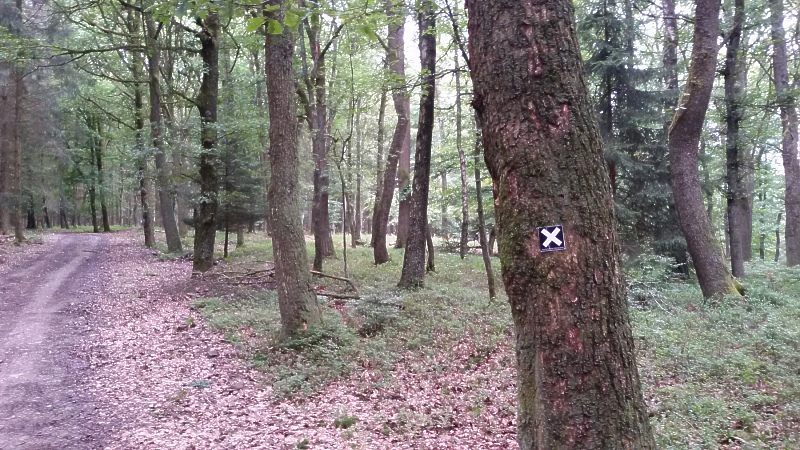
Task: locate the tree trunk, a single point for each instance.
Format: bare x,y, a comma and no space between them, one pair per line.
141,156
356,237
395,60
315,102
205,221
15,174
577,381
296,299
431,264
485,248
379,163
684,139
778,238
736,195
4,161
413,274
761,246
789,125
165,197
462,160
403,182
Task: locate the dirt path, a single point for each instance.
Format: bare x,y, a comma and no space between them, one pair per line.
43,402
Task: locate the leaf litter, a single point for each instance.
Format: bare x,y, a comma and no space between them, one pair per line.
171,382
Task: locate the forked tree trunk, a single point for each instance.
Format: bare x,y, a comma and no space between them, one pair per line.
296,299
395,61
684,141
413,274
789,125
577,381
736,194
205,221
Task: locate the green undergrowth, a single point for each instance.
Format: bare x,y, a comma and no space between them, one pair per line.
724,373
369,333
716,374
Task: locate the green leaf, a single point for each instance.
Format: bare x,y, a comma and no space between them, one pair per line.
255,23
292,19
274,27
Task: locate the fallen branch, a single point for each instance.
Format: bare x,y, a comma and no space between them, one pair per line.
346,280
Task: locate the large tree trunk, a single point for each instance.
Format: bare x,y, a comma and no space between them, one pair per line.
165,197
395,60
205,221
736,194
577,381
789,124
684,140
296,298
413,274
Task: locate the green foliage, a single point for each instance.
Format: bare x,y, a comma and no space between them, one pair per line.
726,372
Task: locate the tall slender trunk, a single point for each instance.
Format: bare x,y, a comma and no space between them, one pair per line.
462,160
485,248
15,174
205,221
578,386
684,140
395,61
413,274
358,207
5,148
296,299
379,161
15,159
136,68
736,196
789,125
100,150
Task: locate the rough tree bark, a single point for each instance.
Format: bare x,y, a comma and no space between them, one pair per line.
413,274
205,220
683,143
395,61
789,124
736,195
577,381
165,197
296,298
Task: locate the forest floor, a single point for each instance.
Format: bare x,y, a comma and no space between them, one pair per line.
106,344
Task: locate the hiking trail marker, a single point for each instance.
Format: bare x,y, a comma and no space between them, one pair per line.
551,238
